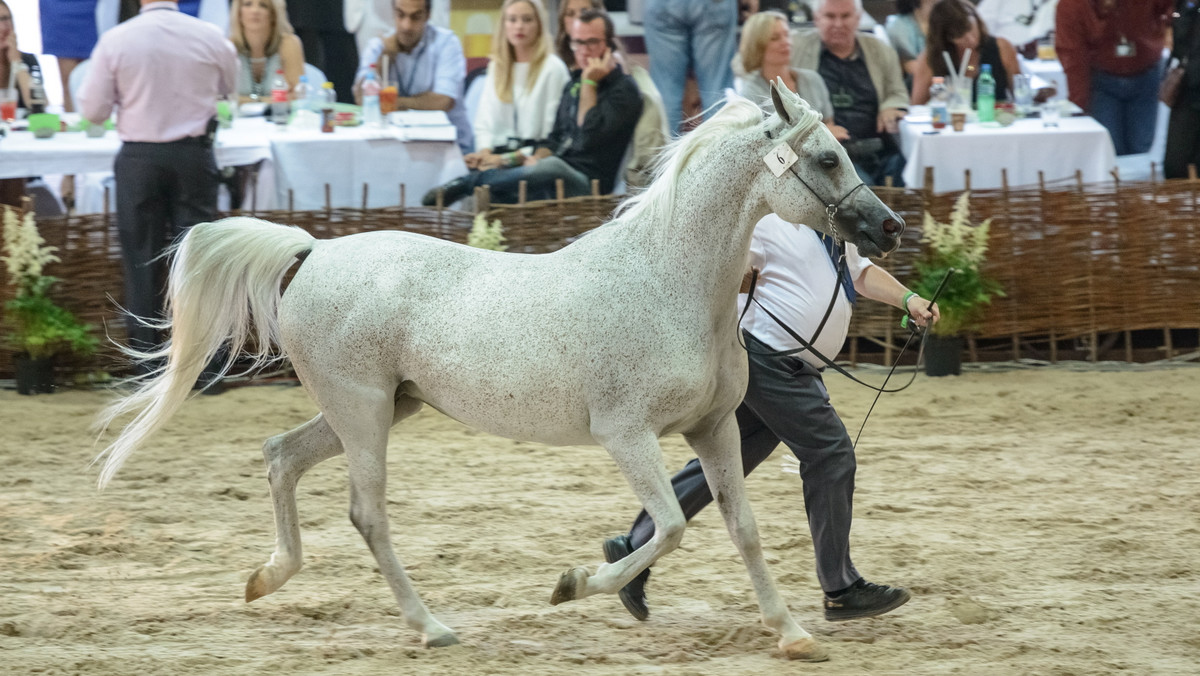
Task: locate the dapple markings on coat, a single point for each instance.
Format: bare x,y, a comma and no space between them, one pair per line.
626,335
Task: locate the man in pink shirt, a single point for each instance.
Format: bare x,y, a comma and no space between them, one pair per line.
163,71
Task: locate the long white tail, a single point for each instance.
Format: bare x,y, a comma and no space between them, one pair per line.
223,274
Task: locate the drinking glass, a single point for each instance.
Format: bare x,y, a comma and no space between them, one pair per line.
1046,50
1051,111
8,104
1022,94
387,99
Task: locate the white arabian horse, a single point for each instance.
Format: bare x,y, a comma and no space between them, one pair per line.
624,336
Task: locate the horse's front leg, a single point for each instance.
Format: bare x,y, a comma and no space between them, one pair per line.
719,454
639,457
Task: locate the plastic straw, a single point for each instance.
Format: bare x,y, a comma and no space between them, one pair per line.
383,65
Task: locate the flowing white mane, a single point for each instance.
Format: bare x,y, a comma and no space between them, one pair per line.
657,201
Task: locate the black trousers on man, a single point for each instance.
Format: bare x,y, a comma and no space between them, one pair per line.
162,190
786,401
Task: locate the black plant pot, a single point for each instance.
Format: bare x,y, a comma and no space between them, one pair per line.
34,376
943,355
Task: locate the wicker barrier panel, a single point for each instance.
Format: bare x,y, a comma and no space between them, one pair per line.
1073,260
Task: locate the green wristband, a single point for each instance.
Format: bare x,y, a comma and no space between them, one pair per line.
908,296
588,82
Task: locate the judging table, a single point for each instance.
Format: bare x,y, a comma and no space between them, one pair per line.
1023,149
302,161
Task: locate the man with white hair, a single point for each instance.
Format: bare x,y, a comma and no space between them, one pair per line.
865,83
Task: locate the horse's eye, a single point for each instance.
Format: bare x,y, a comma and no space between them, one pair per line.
828,160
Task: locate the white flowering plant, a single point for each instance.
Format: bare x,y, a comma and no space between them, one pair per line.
961,246
486,236
37,326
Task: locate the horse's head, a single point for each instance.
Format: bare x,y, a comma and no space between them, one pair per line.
817,184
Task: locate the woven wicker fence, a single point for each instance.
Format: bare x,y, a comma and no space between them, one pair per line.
1074,260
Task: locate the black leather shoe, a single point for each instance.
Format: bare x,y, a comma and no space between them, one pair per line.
451,193
633,595
864,599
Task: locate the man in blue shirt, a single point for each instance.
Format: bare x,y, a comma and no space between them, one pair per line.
425,64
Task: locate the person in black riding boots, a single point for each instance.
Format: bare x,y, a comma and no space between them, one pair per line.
786,401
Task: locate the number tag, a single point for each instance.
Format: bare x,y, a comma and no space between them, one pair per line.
780,158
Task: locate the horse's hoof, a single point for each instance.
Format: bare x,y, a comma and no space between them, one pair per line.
441,641
805,650
264,580
569,586
256,586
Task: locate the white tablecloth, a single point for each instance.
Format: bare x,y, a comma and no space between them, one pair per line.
303,161
381,158
1023,149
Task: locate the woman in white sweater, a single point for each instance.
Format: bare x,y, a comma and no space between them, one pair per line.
521,90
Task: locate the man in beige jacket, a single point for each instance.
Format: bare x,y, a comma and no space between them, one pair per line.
865,84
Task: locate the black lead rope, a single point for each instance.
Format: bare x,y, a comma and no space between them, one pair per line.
914,331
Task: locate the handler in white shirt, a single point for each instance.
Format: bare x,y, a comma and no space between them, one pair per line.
786,401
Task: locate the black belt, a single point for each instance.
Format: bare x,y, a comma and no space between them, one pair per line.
203,141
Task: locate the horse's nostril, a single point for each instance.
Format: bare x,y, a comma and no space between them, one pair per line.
893,227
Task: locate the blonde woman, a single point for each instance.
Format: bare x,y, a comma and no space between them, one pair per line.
265,42
766,53
521,90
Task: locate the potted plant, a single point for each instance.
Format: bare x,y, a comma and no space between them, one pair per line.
38,328
963,247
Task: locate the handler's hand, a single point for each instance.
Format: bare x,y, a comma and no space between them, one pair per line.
918,309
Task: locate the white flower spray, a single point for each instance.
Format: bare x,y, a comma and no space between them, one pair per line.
25,252
486,236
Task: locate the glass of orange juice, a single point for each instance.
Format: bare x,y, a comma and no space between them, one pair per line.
387,99
8,104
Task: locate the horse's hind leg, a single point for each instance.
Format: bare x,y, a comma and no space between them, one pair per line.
719,457
288,456
361,419
639,457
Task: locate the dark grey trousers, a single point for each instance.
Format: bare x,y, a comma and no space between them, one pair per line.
786,401
162,189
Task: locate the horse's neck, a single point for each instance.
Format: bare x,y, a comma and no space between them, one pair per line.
707,238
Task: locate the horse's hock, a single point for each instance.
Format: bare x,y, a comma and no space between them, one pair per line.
1076,262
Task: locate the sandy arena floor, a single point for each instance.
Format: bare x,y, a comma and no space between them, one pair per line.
1047,521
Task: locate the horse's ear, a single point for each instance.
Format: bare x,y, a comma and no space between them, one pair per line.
777,101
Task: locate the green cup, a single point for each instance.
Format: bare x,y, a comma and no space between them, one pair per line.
43,125
224,114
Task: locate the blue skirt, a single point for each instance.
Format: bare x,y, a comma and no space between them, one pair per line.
68,28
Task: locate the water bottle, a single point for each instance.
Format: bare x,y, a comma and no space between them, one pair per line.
939,103
985,95
372,117
301,99
279,99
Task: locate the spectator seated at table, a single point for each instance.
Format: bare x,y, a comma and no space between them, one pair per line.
906,29
1111,53
866,86
955,27
265,43
766,53
568,11
521,90
16,66
425,64
596,117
